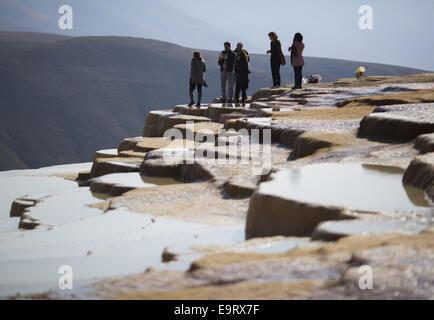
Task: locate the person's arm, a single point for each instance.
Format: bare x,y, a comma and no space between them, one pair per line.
278,46
220,60
204,68
301,48
232,57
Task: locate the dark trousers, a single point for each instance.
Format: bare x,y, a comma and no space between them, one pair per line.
298,72
239,88
193,86
275,72
199,92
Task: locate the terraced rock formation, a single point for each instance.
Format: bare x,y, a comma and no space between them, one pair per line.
346,181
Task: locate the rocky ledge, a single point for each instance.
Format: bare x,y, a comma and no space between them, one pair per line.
345,184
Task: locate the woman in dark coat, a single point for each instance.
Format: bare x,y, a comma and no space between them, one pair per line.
242,60
277,58
198,68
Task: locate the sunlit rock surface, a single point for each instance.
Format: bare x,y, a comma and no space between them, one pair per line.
404,124
159,121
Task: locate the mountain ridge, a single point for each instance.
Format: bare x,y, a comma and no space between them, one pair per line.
64,97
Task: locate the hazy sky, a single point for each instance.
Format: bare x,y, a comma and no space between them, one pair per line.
402,30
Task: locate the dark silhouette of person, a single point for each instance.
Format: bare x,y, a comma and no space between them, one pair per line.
297,60
198,68
242,60
277,58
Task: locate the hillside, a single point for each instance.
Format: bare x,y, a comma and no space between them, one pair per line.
63,97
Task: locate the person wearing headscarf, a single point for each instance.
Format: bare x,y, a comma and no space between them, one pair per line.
198,68
242,60
297,60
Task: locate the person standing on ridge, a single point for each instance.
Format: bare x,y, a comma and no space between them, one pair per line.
226,62
198,68
242,60
297,60
277,58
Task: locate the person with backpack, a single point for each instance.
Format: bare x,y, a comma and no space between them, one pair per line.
198,68
242,60
277,59
297,60
226,62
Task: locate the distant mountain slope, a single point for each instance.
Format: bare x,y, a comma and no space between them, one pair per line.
16,37
62,98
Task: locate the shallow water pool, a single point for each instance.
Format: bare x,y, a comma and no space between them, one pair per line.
355,186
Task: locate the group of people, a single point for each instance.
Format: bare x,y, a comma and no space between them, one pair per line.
278,58
234,68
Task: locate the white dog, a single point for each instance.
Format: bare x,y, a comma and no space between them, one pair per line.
360,72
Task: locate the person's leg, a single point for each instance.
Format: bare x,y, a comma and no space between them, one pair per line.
191,99
191,94
199,95
223,84
237,92
278,75
298,77
273,73
244,95
230,77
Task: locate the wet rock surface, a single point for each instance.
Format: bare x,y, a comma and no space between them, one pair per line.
425,143
198,202
103,166
117,184
401,266
209,228
420,173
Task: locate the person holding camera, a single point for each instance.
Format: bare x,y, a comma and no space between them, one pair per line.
226,62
